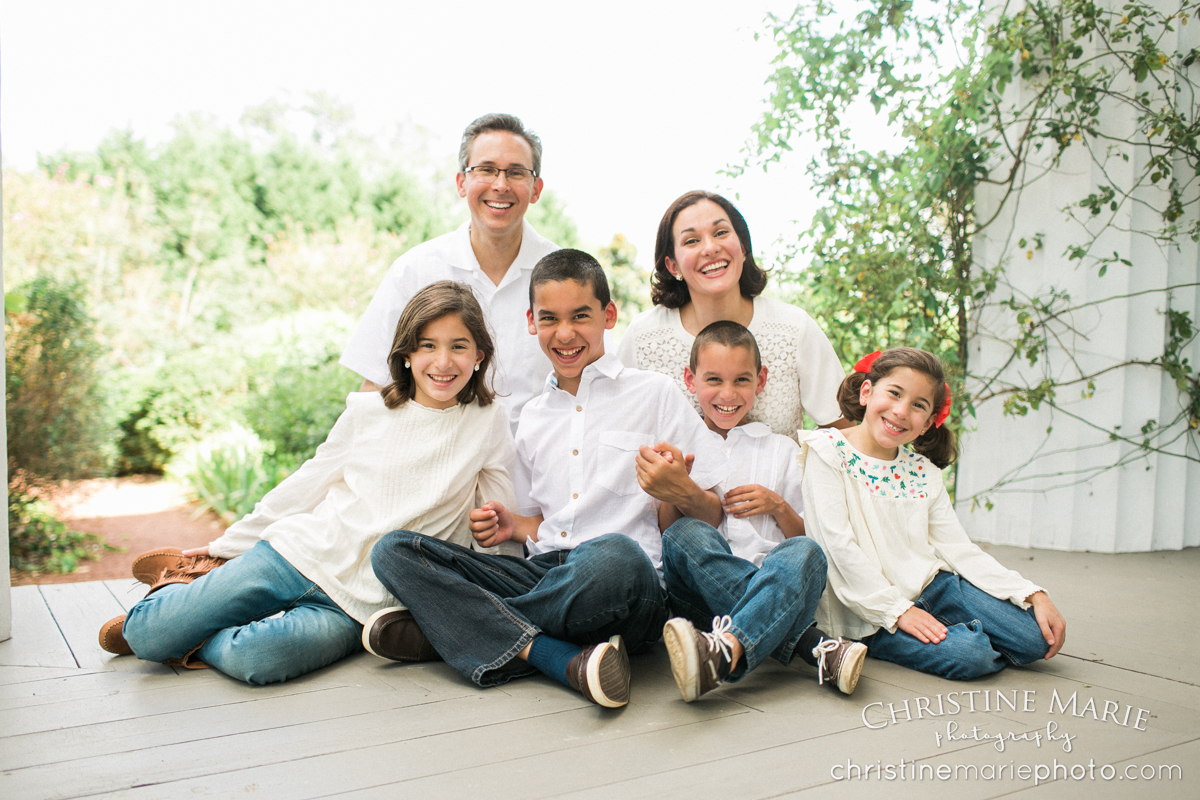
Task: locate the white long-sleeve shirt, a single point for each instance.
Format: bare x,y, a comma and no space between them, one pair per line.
887,529
410,468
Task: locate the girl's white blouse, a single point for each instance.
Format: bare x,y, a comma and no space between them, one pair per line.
887,528
410,468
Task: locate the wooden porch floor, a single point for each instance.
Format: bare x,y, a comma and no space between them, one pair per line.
77,722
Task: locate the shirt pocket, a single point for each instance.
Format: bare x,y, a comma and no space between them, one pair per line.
615,468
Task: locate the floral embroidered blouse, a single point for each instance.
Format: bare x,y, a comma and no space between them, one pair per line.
887,529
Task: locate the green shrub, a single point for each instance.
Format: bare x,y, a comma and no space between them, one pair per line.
297,388
39,542
295,409
228,473
59,424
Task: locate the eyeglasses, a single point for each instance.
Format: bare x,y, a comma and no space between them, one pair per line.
513,174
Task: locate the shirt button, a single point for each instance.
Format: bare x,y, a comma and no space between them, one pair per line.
563,534
575,496
579,408
574,452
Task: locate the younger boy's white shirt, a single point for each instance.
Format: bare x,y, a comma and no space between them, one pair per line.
576,453
757,456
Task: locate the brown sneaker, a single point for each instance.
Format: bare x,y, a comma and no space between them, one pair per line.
840,661
149,566
189,568
601,673
112,640
393,633
699,661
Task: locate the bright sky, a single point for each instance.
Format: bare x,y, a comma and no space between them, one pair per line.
635,102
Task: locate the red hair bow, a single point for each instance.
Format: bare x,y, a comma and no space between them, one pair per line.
864,364
944,411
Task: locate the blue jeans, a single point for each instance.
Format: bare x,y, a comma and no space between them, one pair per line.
984,634
480,610
771,606
255,618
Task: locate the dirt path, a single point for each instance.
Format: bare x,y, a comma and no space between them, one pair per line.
135,514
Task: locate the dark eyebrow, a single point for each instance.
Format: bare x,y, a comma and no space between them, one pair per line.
511,165
717,221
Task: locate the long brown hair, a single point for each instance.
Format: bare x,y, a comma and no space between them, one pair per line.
938,444
664,289
432,303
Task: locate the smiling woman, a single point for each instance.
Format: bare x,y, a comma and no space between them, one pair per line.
704,271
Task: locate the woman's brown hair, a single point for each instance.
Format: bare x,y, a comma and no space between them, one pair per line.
432,303
938,444
665,290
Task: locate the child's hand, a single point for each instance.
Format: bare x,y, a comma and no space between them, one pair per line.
662,472
752,499
196,551
922,625
491,524
1054,627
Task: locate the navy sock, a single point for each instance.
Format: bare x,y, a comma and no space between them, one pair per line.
551,656
808,640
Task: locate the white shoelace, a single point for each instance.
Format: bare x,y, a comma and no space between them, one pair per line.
826,647
717,640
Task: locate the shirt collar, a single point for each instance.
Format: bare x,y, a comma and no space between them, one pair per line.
464,257
755,430
607,365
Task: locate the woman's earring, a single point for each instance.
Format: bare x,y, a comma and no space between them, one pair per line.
407,364
679,277
477,368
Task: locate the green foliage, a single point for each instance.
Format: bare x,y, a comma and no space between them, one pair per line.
891,253
228,473
297,388
549,218
39,542
628,282
57,419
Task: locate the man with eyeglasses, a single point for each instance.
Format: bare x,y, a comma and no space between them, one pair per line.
499,166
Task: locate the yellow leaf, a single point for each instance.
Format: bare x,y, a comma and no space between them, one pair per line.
1029,254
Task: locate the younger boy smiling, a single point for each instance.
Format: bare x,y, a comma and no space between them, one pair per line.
594,451
755,575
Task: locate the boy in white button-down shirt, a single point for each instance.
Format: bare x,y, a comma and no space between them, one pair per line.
594,451
755,576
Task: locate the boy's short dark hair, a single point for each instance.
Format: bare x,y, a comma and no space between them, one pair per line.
571,265
729,333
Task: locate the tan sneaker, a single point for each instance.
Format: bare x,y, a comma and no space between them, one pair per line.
112,640
840,661
699,660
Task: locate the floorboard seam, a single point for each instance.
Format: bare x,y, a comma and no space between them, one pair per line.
1100,663
58,628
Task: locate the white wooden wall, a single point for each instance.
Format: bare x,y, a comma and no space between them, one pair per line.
1059,495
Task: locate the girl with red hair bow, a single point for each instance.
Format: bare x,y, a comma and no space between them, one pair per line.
903,576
